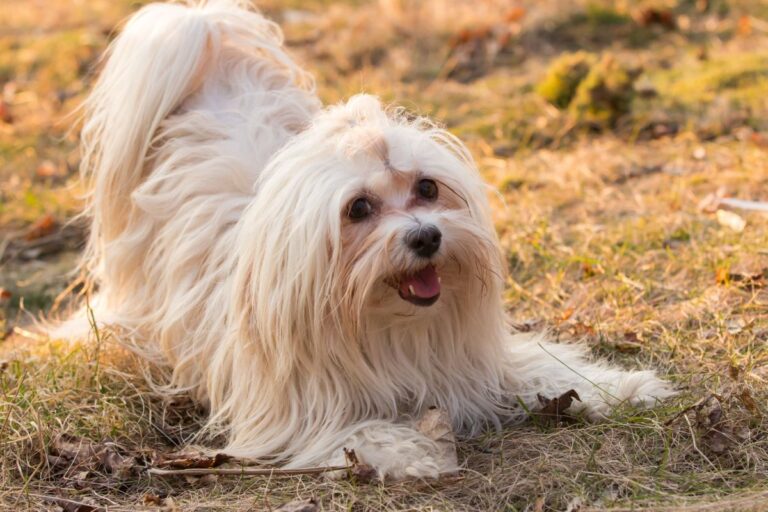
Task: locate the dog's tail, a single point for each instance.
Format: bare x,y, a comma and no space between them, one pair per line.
162,56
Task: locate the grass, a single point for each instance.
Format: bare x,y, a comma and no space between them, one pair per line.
603,232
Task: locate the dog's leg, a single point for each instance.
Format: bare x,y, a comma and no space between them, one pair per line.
395,450
538,367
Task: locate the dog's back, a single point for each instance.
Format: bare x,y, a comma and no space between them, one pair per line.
190,105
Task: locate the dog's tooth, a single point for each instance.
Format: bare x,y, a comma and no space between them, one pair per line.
439,279
410,289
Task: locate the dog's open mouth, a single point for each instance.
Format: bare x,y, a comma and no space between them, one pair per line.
421,288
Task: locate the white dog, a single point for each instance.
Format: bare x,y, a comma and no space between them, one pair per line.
316,277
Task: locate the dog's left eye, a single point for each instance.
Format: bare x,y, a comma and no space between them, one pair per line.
359,209
427,189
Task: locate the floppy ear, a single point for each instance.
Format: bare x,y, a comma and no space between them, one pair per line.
288,255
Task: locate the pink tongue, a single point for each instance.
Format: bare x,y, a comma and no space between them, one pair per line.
424,284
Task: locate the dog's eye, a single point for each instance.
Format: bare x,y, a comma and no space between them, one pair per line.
428,189
359,209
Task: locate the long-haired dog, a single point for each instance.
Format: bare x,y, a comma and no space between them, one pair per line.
316,277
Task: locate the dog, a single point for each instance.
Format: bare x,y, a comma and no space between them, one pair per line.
316,277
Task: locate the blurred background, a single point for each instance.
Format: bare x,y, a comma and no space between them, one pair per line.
603,125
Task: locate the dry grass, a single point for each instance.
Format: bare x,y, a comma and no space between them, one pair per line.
605,239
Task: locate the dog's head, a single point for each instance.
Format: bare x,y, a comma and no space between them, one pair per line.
369,217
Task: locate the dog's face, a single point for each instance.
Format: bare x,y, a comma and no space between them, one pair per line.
392,216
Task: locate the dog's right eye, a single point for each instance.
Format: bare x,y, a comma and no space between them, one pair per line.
359,209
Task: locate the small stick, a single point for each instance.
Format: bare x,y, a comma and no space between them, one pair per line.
245,471
743,204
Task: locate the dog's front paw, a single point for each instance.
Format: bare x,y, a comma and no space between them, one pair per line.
640,389
396,452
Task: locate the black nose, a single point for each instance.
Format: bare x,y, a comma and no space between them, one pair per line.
424,240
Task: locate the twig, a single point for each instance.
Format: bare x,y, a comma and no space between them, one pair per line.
246,471
743,204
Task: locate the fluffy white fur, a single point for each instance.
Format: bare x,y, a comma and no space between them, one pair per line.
220,244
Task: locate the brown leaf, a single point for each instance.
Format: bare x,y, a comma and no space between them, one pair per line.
47,169
78,458
720,434
651,16
153,499
68,505
744,27
73,449
360,472
721,275
528,325
711,202
188,460
42,227
555,408
4,295
746,398
567,314
583,329
748,272
5,112
116,464
299,505
515,14
435,424
632,342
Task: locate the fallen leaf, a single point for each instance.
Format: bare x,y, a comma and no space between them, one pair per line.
711,202
435,424
568,313
79,458
632,337
589,269
555,408
201,481
746,398
73,449
4,295
750,272
632,342
153,499
5,112
299,505
42,227
360,472
744,27
731,220
582,329
116,464
720,434
189,460
47,169
652,16
68,505
528,325
515,14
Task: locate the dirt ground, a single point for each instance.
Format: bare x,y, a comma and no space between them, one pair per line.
614,133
